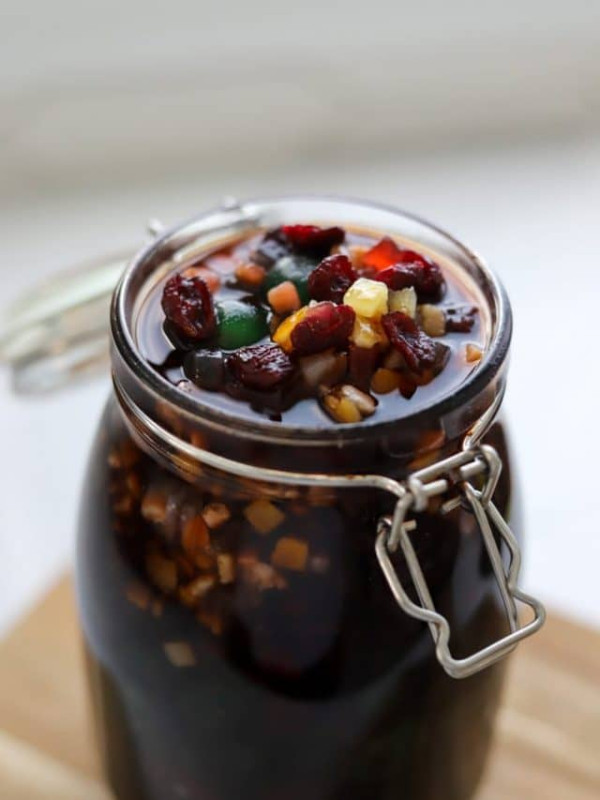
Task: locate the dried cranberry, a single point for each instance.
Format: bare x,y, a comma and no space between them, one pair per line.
324,326
311,240
261,366
425,276
331,279
460,319
188,306
418,349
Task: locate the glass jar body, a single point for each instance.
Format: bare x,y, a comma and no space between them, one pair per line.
243,646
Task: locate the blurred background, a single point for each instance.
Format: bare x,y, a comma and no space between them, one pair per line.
482,117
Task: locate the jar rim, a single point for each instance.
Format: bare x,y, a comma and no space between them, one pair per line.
147,261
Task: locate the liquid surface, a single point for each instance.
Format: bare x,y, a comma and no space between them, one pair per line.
158,345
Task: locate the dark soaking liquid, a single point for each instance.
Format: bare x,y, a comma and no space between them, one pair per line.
244,645
460,304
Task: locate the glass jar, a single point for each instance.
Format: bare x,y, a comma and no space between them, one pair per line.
315,652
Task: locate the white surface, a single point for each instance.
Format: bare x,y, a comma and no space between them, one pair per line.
532,211
89,90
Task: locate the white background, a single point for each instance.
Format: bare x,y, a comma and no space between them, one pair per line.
482,118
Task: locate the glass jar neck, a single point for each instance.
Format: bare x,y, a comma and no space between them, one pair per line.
390,448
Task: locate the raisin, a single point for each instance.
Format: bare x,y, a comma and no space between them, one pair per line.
406,385
325,325
262,366
273,246
460,319
311,240
331,279
425,276
188,306
418,350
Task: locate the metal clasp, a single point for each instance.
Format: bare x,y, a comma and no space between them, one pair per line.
457,471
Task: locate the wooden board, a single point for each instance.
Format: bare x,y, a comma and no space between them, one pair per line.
548,734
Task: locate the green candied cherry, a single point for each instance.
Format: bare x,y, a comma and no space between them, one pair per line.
240,324
296,269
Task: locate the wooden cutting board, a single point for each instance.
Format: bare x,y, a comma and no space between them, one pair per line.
548,734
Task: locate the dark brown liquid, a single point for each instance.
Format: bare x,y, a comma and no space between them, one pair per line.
156,346
314,687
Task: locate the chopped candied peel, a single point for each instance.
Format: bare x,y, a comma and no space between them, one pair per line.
195,538
404,300
283,334
385,381
154,506
290,553
368,299
162,572
226,567
473,353
191,594
215,515
323,369
251,275
433,320
180,654
284,298
210,278
367,333
264,516
124,455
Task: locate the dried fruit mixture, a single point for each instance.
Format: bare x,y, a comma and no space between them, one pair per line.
303,313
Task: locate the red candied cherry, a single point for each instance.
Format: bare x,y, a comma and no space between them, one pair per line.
311,240
260,366
385,253
418,350
323,326
424,275
331,279
188,306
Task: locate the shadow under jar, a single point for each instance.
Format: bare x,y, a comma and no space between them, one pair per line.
242,640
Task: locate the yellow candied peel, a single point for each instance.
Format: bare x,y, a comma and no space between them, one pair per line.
283,334
368,298
473,353
290,553
404,300
263,515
